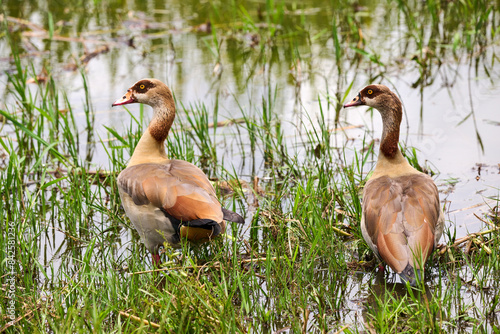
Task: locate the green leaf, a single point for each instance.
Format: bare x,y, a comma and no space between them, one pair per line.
48,184
117,136
30,133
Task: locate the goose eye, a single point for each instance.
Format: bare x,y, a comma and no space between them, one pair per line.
370,92
142,86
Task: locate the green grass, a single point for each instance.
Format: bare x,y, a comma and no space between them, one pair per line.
300,263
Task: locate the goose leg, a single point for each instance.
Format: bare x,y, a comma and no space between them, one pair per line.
156,260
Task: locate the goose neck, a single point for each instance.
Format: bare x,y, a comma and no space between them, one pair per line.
163,117
391,118
148,150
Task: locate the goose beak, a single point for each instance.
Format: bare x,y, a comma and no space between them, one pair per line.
357,101
126,99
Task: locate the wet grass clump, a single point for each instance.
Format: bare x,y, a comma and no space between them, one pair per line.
72,262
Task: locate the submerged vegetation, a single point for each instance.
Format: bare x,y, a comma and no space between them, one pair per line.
261,114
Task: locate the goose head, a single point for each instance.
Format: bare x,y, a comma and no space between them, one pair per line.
152,92
389,105
156,94
376,96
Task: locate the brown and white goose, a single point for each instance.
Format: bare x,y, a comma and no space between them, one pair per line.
402,220
166,199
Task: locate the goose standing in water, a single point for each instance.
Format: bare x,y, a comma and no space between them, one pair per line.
166,199
402,220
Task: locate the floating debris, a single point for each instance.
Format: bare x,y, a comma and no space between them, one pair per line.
204,27
88,56
40,78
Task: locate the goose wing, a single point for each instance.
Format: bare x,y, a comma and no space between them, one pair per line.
402,218
178,188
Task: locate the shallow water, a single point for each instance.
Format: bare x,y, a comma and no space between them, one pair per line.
166,48
300,69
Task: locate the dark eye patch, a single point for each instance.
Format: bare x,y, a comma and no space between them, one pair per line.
370,91
143,86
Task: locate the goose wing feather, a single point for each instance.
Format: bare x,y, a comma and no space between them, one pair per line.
402,217
178,187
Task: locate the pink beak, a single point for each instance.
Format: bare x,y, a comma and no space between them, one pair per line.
355,102
126,99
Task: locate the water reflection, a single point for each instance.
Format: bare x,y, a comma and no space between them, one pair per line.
385,297
289,56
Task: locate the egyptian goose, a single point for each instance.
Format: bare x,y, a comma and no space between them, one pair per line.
402,220
166,199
